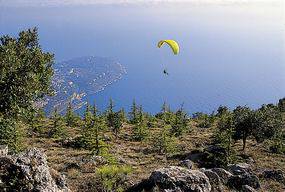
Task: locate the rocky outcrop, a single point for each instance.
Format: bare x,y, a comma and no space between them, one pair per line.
223,174
237,181
175,178
242,175
215,180
237,176
29,171
240,168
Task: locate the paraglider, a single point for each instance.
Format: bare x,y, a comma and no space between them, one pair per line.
165,72
173,45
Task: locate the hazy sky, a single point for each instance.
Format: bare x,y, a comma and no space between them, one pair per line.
87,2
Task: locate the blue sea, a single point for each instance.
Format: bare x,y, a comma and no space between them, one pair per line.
231,54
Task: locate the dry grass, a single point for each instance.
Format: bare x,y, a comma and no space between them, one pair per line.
140,157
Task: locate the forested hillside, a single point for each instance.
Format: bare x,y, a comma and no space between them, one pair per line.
117,150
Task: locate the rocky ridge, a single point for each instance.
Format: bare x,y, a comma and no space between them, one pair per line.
29,171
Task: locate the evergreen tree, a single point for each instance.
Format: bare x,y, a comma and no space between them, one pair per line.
87,115
165,108
123,115
92,135
203,120
164,142
25,78
114,119
222,110
224,137
140,130
70,118
281,105
111,115
38,121
58,129
118,122
25,73
166,114
134,113
11,134
179,125
95,110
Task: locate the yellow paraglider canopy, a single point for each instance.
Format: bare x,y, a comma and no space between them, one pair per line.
173,45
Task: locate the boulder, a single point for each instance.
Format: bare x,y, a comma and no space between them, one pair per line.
223,174
276,175
240,168
237,181
179,179
29,171
215,181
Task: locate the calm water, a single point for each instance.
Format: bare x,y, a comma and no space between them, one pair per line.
230,54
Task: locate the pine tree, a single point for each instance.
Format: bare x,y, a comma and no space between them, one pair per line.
114,119
165,108
224,138
110,115
140,130
87,115
165,114
281,105
123,115
134,113
179,124
92,135
58,129
95,110
118,122
164,142
38,121
69,115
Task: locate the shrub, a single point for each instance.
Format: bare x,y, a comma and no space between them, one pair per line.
113,177
268,122
203,120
